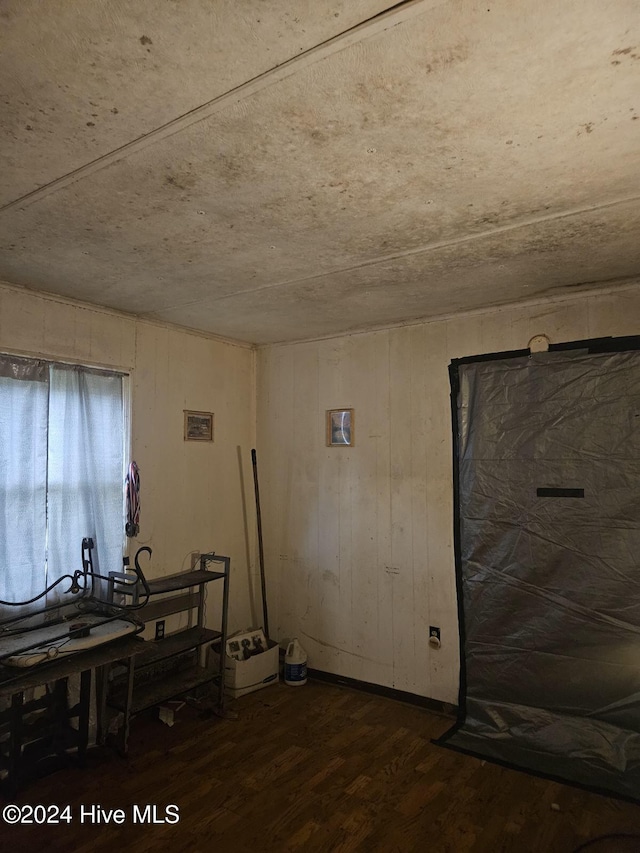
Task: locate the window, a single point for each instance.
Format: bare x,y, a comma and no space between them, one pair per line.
62,437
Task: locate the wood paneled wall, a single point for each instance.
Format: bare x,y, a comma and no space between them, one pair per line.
359,541
193,493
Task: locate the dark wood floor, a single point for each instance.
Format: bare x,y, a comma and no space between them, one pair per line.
315,768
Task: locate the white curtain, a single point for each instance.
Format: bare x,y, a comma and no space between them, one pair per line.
61,476
85,486
24,394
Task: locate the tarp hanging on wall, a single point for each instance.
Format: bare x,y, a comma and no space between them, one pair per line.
547,469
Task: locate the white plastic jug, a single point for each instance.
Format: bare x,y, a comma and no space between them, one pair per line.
295,664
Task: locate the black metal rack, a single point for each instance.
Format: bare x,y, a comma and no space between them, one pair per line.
155,679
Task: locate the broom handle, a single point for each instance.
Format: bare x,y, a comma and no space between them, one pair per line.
260,547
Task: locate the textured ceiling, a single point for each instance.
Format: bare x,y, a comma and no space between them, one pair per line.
270,170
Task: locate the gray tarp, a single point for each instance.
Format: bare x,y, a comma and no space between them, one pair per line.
550,585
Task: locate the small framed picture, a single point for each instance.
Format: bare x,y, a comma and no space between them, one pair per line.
340,428
198,426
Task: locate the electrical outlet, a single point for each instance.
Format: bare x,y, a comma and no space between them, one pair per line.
160,630
195,560
434,632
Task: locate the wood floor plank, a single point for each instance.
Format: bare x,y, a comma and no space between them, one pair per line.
314,769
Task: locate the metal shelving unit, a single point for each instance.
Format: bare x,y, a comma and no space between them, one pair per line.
154,681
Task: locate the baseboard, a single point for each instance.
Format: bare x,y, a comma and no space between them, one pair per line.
445,709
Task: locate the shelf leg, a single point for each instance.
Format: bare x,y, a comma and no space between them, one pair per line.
124,731
15,743
102,685
83,715
223,633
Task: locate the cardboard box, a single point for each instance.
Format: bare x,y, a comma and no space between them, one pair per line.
245,676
